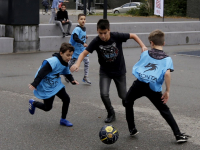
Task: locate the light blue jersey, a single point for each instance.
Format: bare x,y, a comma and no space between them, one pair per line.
51,84
152,71
79,48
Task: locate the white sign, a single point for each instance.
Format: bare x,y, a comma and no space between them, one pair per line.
159,7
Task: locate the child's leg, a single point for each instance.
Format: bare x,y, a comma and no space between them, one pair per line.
155,98
120,83
136,91
47,105
71,62
86,66
66,100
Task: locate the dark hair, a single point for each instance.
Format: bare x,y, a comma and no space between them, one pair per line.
63,5
80,15
157,37
66,47
103,24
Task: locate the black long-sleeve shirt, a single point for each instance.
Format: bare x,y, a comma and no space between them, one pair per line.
61,15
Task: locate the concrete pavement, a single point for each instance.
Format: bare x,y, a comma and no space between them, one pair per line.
21,131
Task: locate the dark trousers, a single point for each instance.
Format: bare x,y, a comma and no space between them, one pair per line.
104,84
139,89
48,103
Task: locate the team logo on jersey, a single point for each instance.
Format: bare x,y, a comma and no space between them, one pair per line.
151,67
109,52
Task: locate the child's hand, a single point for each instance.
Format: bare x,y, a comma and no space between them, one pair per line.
165,97
75,82
85,45
31,87
74,68
86,37
144,48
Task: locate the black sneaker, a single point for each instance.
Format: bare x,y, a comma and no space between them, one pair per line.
64,34
133,132
69,33
110,119
182,138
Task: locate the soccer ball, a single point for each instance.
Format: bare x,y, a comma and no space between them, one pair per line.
108,134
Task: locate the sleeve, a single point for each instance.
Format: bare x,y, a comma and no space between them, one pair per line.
45,69
69,77
92,46
67,18
76,39
122,37
170,65
58,17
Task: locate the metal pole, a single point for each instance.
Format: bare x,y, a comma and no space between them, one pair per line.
105,10
84,4
163,10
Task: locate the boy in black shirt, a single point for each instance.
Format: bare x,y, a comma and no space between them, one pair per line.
111,59
62,19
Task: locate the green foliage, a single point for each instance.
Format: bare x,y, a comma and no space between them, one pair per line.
175,7
142,10
172,8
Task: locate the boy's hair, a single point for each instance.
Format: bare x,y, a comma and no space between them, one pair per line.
157,37
63,5
66,47
80,15
103,24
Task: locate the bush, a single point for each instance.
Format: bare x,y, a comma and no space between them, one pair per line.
142,10
175,7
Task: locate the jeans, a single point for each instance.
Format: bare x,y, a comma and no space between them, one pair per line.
104,84
60,24
139,89
53,15
86,65
48,103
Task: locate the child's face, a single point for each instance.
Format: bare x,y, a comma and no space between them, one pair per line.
63,8
104,35
66,56
82,21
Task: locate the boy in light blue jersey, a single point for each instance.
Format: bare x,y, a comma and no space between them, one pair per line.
78,40
47,82
151,71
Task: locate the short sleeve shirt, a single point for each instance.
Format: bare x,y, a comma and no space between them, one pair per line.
110,53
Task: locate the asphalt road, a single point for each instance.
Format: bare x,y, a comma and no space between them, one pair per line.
21,131
44,19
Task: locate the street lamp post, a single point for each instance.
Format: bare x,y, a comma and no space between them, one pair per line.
105,10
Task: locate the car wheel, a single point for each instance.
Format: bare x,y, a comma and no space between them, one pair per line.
116,12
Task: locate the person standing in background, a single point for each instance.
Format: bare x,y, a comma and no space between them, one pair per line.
54,9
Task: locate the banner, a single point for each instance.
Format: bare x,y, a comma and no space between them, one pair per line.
159,7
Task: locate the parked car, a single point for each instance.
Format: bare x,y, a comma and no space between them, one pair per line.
126,7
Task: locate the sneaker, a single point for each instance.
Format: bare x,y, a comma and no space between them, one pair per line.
31,107
87,80
133,132
65,122
64,34
66,80
68,33
182,138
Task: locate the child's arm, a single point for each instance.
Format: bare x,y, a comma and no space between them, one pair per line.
76,66
165,96
76,39
71,79
138,40
46,69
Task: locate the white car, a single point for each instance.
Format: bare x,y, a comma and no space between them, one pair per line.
126,7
